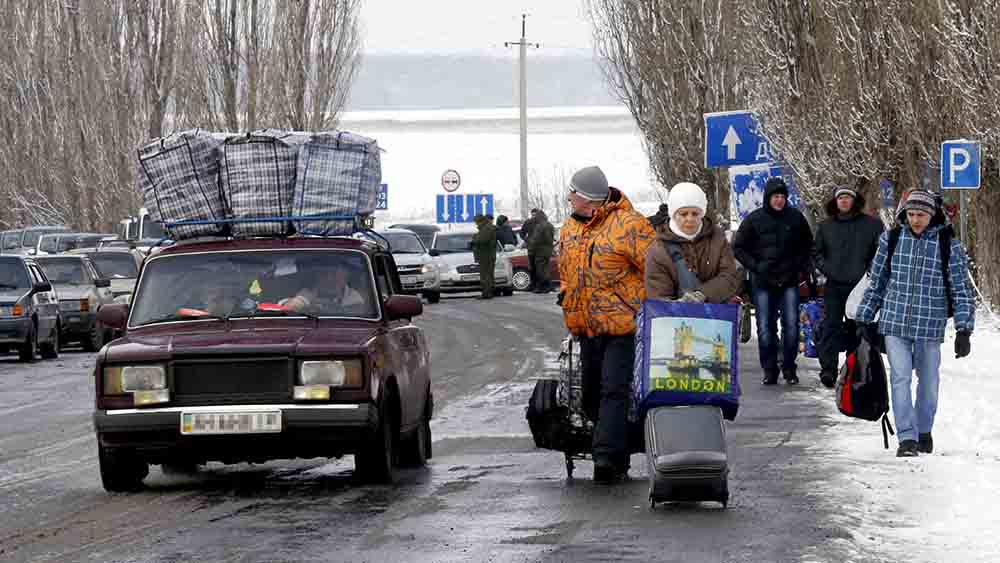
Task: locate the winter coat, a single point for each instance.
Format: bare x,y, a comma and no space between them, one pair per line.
543,236
601,268
526,229
708,256
911,298
484,242
774,246
505,234
846,243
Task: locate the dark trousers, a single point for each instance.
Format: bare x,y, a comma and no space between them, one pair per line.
607,362
531,270
835,327
770,303
540,272
487,264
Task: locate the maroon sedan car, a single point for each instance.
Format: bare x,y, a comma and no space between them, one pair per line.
252,350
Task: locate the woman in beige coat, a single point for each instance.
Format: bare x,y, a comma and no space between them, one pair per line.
703,247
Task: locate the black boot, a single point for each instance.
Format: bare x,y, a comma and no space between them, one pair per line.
828,378
790,377
907,448
770,377
925,444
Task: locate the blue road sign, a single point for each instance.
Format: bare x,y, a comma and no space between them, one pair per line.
888,202
462,208
382,197
960,165
479,204
732,139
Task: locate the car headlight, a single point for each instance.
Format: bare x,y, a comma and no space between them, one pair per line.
429,269
147,384
340,373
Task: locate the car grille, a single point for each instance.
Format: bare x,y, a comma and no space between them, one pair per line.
218,382
468,269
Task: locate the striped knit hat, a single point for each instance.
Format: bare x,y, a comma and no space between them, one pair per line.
921,200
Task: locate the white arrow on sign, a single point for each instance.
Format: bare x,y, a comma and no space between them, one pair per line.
466,214
445,214
482,205
730,142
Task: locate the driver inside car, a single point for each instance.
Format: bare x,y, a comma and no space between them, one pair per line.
329,292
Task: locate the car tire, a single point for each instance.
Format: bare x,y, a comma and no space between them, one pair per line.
95,341
416,450
521,279
50,350
432,296
376,462
121,471
28,352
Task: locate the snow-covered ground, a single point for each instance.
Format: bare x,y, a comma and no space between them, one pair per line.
939,507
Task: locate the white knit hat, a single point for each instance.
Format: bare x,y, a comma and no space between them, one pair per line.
686,194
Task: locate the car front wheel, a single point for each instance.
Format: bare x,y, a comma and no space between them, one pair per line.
50,350
29,350
121,471
376,462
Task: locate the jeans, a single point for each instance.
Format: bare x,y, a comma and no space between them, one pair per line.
769,302
905,355
607,362
835,327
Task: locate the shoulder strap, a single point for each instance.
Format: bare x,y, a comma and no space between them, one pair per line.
944,243
893,241
686,280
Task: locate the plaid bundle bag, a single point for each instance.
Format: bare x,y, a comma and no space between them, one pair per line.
258,179
338,175
178,177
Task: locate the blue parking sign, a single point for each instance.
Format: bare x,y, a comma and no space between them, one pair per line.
960,165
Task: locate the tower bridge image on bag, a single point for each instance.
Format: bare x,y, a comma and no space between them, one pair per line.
687,370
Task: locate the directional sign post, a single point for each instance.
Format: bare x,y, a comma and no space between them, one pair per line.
732,138
382,197
462,208
960,170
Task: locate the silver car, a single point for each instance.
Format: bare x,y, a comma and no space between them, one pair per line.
458,268
119,266
418,271
82,291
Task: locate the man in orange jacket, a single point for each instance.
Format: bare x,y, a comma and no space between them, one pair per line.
602,266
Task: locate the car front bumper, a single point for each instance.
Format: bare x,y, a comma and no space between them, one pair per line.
14,330
457,283
76,324
307,430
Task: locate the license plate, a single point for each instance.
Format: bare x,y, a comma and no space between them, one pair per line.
258,422
408,280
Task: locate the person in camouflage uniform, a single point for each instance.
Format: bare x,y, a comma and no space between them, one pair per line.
484,248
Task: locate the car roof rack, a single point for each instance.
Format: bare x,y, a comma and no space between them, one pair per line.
362,225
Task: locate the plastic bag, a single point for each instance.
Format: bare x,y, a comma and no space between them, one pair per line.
856,296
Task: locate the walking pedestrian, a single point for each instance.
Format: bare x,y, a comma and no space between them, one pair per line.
689,244
919,279
602,258
845,246
774,243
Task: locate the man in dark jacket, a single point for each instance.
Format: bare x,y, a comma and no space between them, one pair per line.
540,247
845,245
484,248
774,244
505,234
526,228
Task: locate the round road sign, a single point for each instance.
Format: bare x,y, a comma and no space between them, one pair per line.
450,180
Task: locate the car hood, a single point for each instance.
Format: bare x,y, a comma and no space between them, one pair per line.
67,292
301,339
411,259
454,260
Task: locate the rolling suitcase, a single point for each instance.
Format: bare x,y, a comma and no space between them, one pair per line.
686,454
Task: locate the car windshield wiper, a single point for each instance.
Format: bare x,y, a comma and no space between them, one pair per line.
185,316
8,286
285,313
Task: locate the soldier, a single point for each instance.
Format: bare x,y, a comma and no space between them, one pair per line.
484,247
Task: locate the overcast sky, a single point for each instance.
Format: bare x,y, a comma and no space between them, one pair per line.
474,26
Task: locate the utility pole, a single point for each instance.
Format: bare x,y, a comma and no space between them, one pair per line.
523,89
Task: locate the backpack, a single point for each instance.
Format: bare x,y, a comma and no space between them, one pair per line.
862,388
944,246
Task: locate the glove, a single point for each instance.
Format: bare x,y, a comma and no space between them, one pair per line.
962,344
692,297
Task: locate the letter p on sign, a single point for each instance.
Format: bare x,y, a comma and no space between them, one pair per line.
960,165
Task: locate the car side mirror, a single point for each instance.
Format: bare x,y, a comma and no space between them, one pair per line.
113,316
508,248
103,282
42,287
434,252
403,307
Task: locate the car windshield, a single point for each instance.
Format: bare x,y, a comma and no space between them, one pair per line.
68,271
323,283
66,244
404,243
12,240
458,242
115,265
13,275
31,237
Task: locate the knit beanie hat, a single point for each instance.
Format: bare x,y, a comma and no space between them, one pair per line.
686,194
844,190
921,200
590,183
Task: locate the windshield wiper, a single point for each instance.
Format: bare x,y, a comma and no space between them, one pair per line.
185,317
7,286
285,313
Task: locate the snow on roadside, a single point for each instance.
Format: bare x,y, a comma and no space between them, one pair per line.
939,507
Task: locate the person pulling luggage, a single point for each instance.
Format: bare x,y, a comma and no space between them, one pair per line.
603,248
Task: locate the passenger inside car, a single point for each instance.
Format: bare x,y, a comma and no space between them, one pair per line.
330,290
